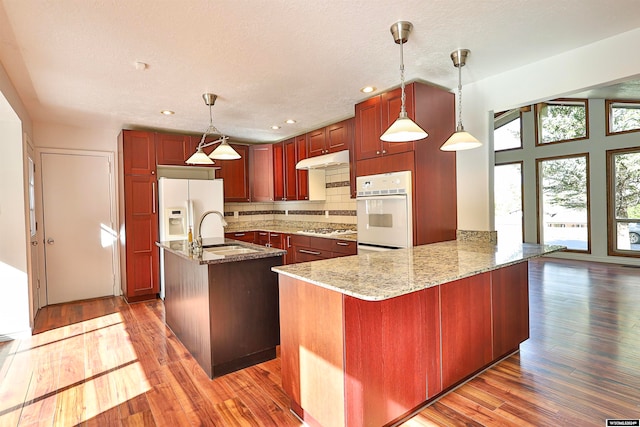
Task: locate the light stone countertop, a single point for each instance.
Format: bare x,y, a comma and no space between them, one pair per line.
290,227
383,275
181,248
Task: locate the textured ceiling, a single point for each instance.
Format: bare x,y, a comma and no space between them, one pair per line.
72,61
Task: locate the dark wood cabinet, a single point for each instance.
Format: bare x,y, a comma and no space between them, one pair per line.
173,149
339,136
433,171
290,175
278,171
245,236
317,142
139,255
302,176
510,305
261,175
466,327
374,116
235,175
310,248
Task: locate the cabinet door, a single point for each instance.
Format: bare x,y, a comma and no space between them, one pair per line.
466,327
276,240
391,106
278,171
235,175
316,140
338,136
261,172
510,306
290,176
139,152
141,219
302,176
262,238
172,149
367,129
245,236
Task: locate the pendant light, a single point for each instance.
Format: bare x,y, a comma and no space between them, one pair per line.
403,129
222,152
460,139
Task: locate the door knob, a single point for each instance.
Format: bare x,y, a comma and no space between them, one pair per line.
34,243
50,241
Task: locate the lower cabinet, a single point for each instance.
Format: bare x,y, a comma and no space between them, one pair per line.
310,248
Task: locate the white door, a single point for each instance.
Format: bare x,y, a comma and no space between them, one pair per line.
34,268
79,226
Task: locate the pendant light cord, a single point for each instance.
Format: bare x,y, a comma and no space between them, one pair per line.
403,111
459,127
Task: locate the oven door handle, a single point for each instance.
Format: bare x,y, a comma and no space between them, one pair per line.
383,196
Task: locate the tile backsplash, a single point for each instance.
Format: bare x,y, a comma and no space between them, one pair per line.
337,208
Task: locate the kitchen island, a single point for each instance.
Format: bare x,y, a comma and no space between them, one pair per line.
366,340
223,303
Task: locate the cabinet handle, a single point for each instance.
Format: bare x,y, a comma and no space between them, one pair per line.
263,234
288,241
238,235
342,244
377,152
274,235
304,251
384,151
153,197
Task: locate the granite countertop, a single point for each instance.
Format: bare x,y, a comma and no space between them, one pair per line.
291,227
181,248
383,275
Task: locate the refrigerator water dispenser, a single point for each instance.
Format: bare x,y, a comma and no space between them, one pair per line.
176,223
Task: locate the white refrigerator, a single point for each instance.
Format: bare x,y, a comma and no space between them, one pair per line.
181,204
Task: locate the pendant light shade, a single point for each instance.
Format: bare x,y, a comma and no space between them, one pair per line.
403,129
199,158
223,152
460,139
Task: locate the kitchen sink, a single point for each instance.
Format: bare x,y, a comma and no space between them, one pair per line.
230,250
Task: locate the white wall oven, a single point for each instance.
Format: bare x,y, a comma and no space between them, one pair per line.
384,211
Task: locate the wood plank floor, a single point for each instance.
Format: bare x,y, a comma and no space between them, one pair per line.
106,363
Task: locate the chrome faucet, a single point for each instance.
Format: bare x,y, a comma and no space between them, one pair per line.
204,215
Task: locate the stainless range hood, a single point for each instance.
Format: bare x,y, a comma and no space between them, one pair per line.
325,161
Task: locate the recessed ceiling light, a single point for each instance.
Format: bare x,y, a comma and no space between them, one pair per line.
367,89
140,66
275,127
290,121
167,112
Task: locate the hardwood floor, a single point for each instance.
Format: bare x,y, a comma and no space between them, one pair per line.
104,362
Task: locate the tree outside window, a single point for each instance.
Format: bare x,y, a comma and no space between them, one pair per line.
561,121
623,170
623,116
563,184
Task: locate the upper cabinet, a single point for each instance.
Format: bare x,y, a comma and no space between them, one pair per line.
261,176
138,153
374,116
278,171
329,139
302,176
290,176
235,175
172,149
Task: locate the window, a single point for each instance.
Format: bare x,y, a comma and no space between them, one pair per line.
507,130
561,121
507,189
623,172
622,116
563,202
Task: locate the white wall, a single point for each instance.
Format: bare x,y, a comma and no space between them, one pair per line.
605,62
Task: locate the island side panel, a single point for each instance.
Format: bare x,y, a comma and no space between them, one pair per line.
187,306
311,351
465,305
510,306
244,313
392,356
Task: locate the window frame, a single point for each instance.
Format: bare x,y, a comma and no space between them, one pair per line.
539,218
608,103
507,114
521,163
560,101
612,222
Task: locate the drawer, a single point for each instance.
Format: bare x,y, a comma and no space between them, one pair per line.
245,236
345,247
